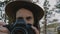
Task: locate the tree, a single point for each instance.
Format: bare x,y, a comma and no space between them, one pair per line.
58,6
2,10
45,15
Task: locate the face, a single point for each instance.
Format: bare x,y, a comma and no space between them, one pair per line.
26,15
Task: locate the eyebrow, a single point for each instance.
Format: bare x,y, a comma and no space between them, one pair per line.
28,17
20,18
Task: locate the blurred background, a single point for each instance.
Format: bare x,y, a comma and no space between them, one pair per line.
49,24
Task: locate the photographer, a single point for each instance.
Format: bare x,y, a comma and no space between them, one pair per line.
30,12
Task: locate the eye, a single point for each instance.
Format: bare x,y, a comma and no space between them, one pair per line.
28,18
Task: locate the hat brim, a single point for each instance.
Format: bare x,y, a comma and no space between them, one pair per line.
10,8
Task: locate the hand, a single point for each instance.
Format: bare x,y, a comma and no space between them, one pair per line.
3,30
36,30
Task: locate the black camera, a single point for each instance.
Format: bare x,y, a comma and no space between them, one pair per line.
20,27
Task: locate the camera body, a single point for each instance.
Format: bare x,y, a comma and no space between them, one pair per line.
20,27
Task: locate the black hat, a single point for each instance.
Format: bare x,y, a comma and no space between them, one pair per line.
12,7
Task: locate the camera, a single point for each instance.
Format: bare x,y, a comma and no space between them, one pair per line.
20,27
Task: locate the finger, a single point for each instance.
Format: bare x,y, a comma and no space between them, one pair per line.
35,29
2,23
3,33
3,29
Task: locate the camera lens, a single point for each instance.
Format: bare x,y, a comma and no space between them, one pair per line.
19,31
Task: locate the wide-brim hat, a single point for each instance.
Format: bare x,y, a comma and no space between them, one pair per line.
12,7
